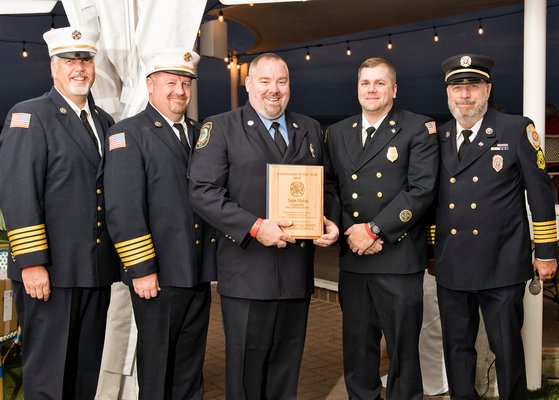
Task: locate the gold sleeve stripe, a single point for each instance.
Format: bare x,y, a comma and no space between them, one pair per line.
544,223
134,247
148,255
124,254
30,250
25,235
17,242
545,229
28,245
545,232
26,229
132,241
540,240
431,230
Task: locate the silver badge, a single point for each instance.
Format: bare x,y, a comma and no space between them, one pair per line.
63,110
447,134
158,124
466,61
354,125
295,125
250,122
489,131
480,144
311,148
392,122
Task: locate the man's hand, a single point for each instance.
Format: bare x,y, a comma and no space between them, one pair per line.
546,268
375,248
36,282
147,286
331,235
357,238
271,234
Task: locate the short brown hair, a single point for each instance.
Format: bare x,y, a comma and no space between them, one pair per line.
272,56
375,62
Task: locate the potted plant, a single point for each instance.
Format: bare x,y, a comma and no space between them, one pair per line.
3,233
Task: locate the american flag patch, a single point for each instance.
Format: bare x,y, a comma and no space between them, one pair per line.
431,127
117,141
20,120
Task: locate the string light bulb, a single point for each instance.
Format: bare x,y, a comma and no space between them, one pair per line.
308,56
348,51
52,26
435,36
226,59
220,17
24,52
480,28
389,45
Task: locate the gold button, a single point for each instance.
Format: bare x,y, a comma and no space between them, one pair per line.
475,179
356,214
451,206
197,242
99,191
473,205
213,240
379,194
453,231
354,176
453,180
302,244
379,175
475,232
196,226
99,208
99,224
355,195
98,241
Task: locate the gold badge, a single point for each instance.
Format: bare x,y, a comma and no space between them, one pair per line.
204,138
466,61
158,124
187,57
498,162
533,137
392,122
541,160
62,110
405,215
354,125
392,154
76,35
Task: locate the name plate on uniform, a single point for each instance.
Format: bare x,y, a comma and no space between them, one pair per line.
296,192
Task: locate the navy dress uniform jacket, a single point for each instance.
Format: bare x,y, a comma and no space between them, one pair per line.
482,235
392,182
228,188
148,212
52,193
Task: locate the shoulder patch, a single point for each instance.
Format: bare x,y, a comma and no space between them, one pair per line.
431,127
20,120
204,138
533,136
117,141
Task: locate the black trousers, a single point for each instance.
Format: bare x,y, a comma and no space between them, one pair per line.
172,332
62,341
373,304
503,314
264,347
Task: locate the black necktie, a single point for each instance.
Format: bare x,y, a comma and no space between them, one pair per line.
278,138
182,137
370,130
83,117
465,144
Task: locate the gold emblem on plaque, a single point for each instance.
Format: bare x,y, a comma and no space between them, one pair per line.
297,189
392,154
498,162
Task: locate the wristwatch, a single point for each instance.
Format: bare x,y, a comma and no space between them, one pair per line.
374,228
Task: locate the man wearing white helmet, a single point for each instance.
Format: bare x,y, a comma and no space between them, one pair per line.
63,261
167,251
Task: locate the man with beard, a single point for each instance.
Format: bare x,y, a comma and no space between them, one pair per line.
63,261
385,160
482,245
265,275
167,251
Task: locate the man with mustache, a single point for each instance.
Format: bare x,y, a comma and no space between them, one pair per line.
167,251
63,261
265,276
483,255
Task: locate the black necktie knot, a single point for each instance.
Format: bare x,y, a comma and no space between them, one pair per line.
370,131
278,138
182,136
466,133
83,117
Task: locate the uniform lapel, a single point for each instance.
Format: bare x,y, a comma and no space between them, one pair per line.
482,142
165,133
74,127
383,135
449,154
352,139
255,129
297,136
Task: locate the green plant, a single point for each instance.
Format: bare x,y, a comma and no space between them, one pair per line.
3,231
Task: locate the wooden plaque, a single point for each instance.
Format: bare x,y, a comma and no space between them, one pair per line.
296,192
